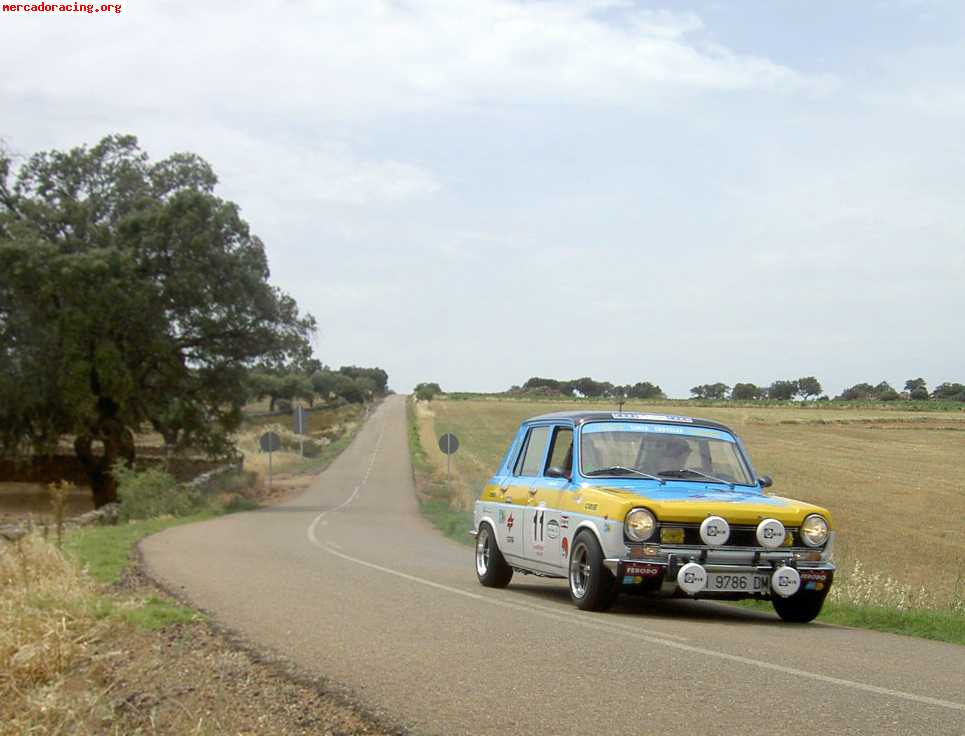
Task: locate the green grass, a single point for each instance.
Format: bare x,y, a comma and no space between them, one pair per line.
454,524
106,553
155,613
434,496
948,626
106,550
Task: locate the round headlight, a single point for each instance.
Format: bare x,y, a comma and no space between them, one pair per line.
814,530
640,525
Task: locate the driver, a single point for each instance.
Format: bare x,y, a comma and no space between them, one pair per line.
672,453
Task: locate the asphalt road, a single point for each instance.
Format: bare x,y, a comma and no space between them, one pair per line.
349,582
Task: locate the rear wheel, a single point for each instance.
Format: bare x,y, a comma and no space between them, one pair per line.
592,586
491,567
800,608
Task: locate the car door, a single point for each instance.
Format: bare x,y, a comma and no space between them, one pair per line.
516,493
543,533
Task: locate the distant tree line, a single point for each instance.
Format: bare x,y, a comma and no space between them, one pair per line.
588,387
809,388
310,381
802,388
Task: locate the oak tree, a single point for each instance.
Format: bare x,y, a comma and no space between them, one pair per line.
130,294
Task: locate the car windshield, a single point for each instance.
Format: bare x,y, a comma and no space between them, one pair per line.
665,452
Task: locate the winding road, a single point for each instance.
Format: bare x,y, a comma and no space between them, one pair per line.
349,582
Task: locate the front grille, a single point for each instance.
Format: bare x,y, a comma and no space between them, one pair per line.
740,537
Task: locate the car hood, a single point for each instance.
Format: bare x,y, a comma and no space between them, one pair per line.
694,502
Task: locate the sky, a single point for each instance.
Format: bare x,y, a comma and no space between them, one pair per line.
474,192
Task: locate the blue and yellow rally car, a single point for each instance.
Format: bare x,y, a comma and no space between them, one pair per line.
651,504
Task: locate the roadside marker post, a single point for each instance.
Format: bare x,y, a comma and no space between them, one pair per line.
269,442
448,443
299,416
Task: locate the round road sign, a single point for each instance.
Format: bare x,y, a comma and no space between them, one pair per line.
270,442
448,443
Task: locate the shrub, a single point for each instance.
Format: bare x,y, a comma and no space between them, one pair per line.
151,493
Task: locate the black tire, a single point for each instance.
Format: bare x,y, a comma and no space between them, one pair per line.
491,567
592,586
800,608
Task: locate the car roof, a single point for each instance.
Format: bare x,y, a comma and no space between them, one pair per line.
582,417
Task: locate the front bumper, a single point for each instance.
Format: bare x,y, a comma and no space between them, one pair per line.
657,573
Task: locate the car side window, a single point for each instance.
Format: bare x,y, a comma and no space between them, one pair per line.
529,460
561,451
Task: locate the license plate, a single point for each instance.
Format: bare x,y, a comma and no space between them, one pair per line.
737,581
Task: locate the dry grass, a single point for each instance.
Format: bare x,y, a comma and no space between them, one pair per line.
892,479
49,615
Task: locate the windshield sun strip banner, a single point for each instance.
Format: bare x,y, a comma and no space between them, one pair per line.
592,427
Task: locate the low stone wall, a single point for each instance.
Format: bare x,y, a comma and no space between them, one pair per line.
67,467
108,514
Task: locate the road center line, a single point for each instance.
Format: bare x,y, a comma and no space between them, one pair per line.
595,623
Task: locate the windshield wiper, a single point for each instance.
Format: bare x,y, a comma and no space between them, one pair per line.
697,472
624,469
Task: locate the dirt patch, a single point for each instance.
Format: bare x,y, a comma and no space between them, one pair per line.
194,678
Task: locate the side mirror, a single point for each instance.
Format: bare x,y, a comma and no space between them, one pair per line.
557,472
765,481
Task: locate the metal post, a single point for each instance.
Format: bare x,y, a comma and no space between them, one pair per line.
269,470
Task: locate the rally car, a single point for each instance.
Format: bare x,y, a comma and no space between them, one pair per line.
648,504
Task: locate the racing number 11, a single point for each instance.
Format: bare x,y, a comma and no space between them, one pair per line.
538,526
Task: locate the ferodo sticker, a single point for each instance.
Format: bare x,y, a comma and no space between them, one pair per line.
643,571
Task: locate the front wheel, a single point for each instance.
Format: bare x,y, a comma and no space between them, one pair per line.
592,586
800,608
491,567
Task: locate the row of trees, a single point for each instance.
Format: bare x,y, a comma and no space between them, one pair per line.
588,387
810,388
130,296
915,389
803,388
310,381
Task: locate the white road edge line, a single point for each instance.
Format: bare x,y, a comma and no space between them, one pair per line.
594,621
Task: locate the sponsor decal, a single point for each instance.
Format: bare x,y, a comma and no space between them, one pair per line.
509,522
652,417
592,506
564,522
814,575
552,529
565,547
502,516
642,571
606,527
510,540
538,549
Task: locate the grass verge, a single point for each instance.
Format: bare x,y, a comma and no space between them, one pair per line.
938,625
434,499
